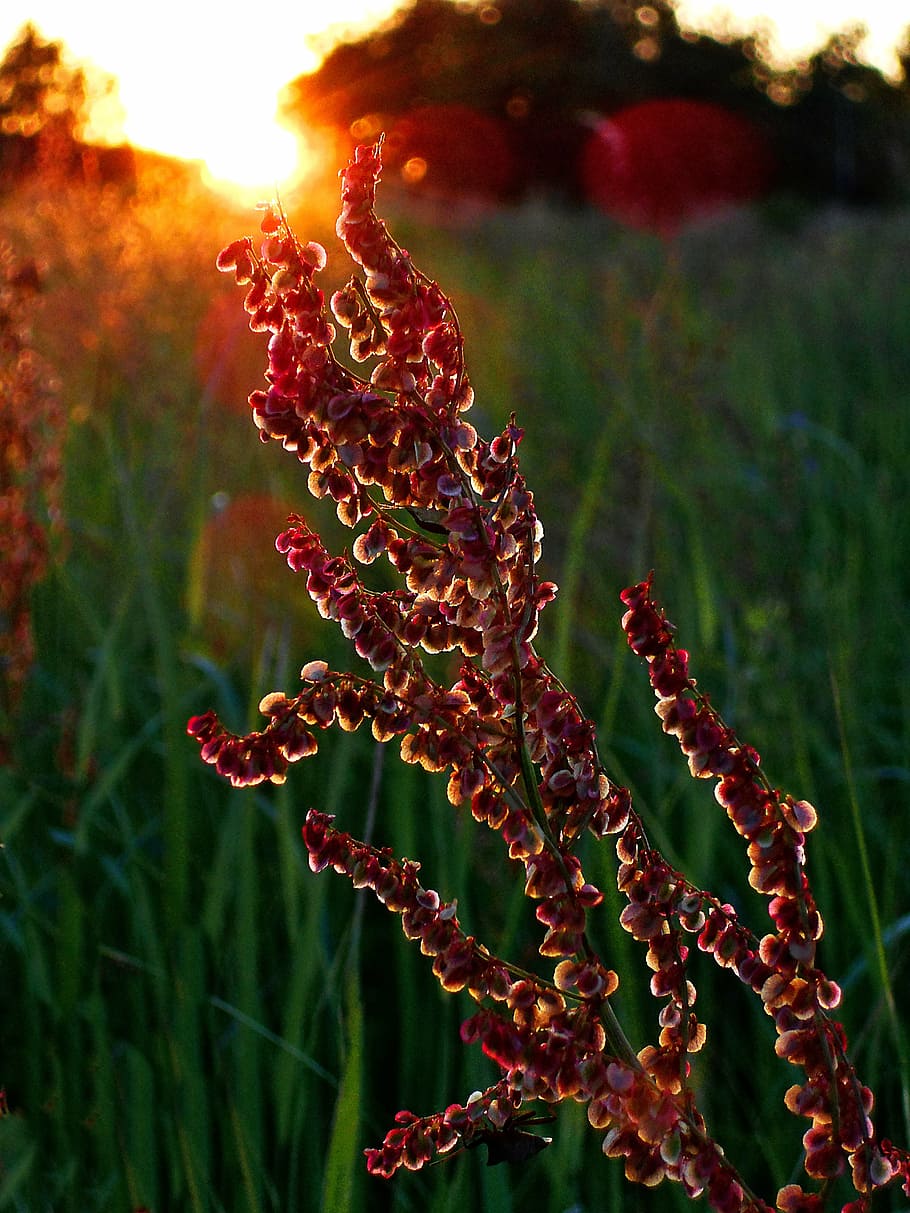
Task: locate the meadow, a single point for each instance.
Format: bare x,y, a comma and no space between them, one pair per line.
192,1020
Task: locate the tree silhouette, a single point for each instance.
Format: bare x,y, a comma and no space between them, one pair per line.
37,90
42,104
43,116
547,70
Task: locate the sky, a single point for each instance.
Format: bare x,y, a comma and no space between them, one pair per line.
206,88
196,80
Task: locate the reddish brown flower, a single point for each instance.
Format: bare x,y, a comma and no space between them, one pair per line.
451,515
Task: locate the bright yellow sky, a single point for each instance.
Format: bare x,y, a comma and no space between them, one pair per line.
798,27
198,80
201,81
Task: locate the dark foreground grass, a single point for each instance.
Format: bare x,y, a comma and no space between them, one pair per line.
190,1019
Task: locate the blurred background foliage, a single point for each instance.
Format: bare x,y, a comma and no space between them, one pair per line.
191,1020
537,74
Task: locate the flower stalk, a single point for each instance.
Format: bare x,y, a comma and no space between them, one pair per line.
452,515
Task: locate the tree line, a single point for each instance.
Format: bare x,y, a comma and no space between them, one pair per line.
498,98
43,103
534,75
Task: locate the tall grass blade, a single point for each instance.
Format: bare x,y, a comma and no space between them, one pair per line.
344,1156
877,936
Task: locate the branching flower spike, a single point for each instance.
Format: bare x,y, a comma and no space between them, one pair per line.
451,513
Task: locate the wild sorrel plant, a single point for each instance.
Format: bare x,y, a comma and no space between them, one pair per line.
31,429
452,515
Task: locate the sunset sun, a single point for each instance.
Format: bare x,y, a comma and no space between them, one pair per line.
212,110
197,87
254,156
238,140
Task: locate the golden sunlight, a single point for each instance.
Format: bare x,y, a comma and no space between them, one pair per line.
210,114
265,158
197,84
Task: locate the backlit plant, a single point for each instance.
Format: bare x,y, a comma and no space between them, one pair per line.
31,430
451,514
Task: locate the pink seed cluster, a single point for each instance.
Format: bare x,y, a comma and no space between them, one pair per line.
451,515
781,969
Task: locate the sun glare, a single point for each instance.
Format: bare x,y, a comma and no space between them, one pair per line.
260,160
193,87
253,158
205,117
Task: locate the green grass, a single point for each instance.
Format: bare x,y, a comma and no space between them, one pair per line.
191,1019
